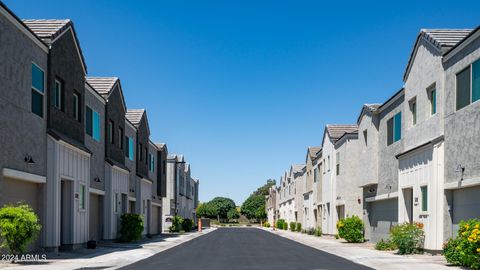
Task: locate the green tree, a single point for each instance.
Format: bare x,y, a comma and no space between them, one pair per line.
263,190
220,206
19,226
253,206
233,214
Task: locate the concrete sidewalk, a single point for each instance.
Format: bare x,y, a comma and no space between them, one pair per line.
365,253
108,255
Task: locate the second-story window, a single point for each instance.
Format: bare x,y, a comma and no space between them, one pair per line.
468,85
38,90
151,162
111,135
315,175
92,123
365,137
120,137
394,128
328,158
129,148
338,163
58,95
76,106
432,96
413,110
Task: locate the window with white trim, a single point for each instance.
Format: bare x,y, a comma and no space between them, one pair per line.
38,90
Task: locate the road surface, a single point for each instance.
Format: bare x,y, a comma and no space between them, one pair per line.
243,248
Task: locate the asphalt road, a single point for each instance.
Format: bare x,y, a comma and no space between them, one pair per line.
243,248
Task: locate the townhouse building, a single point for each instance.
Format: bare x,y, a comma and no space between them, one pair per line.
333,206
23,112
309,193
297,173
462,126
271,205
73,152
286,199
317,165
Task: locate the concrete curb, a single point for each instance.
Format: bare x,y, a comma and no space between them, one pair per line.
368,257
111,257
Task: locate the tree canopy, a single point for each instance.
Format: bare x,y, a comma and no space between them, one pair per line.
254,205
218,207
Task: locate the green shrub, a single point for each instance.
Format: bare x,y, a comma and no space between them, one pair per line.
187,225
285,226
131,227
464,250
311,231
351,229
19,226
266,224
293,226
408,238
318,231
177,222
280,223
385,245
299,227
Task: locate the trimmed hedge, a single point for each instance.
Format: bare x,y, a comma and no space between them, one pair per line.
293,226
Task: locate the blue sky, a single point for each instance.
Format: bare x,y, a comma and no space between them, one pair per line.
241,88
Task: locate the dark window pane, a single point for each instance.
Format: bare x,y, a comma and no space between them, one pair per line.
38,78
433,100
476,81
88,121
398,126
390,131
37,103
463,88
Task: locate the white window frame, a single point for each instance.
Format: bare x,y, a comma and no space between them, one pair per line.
82,202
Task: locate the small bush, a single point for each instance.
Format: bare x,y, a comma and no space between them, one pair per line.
187,225
299,227
464,250
351,229
285,226
266,224
385,245
408,238
318,231
280,223
19,226
131,227
177,222
293,226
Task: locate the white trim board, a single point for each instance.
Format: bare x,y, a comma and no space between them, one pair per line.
463,183
132,199
156,204
24,176
387,196
97,191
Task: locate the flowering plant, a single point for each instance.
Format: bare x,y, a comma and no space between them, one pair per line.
464,250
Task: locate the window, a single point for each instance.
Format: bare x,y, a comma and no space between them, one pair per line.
328,163
120,137
81,203
151,164
58,95
468,85
146,155
92,123
111,136
365,137
129,148
338,163
38,90
394,128
424,191
76,106
116,202
164,166
413,110
140,153
315,175
433,101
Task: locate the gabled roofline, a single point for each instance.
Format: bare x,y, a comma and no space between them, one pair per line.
420,35
462,44
390,100
121,93
76,41
94,92
22,26
130,124
345,135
